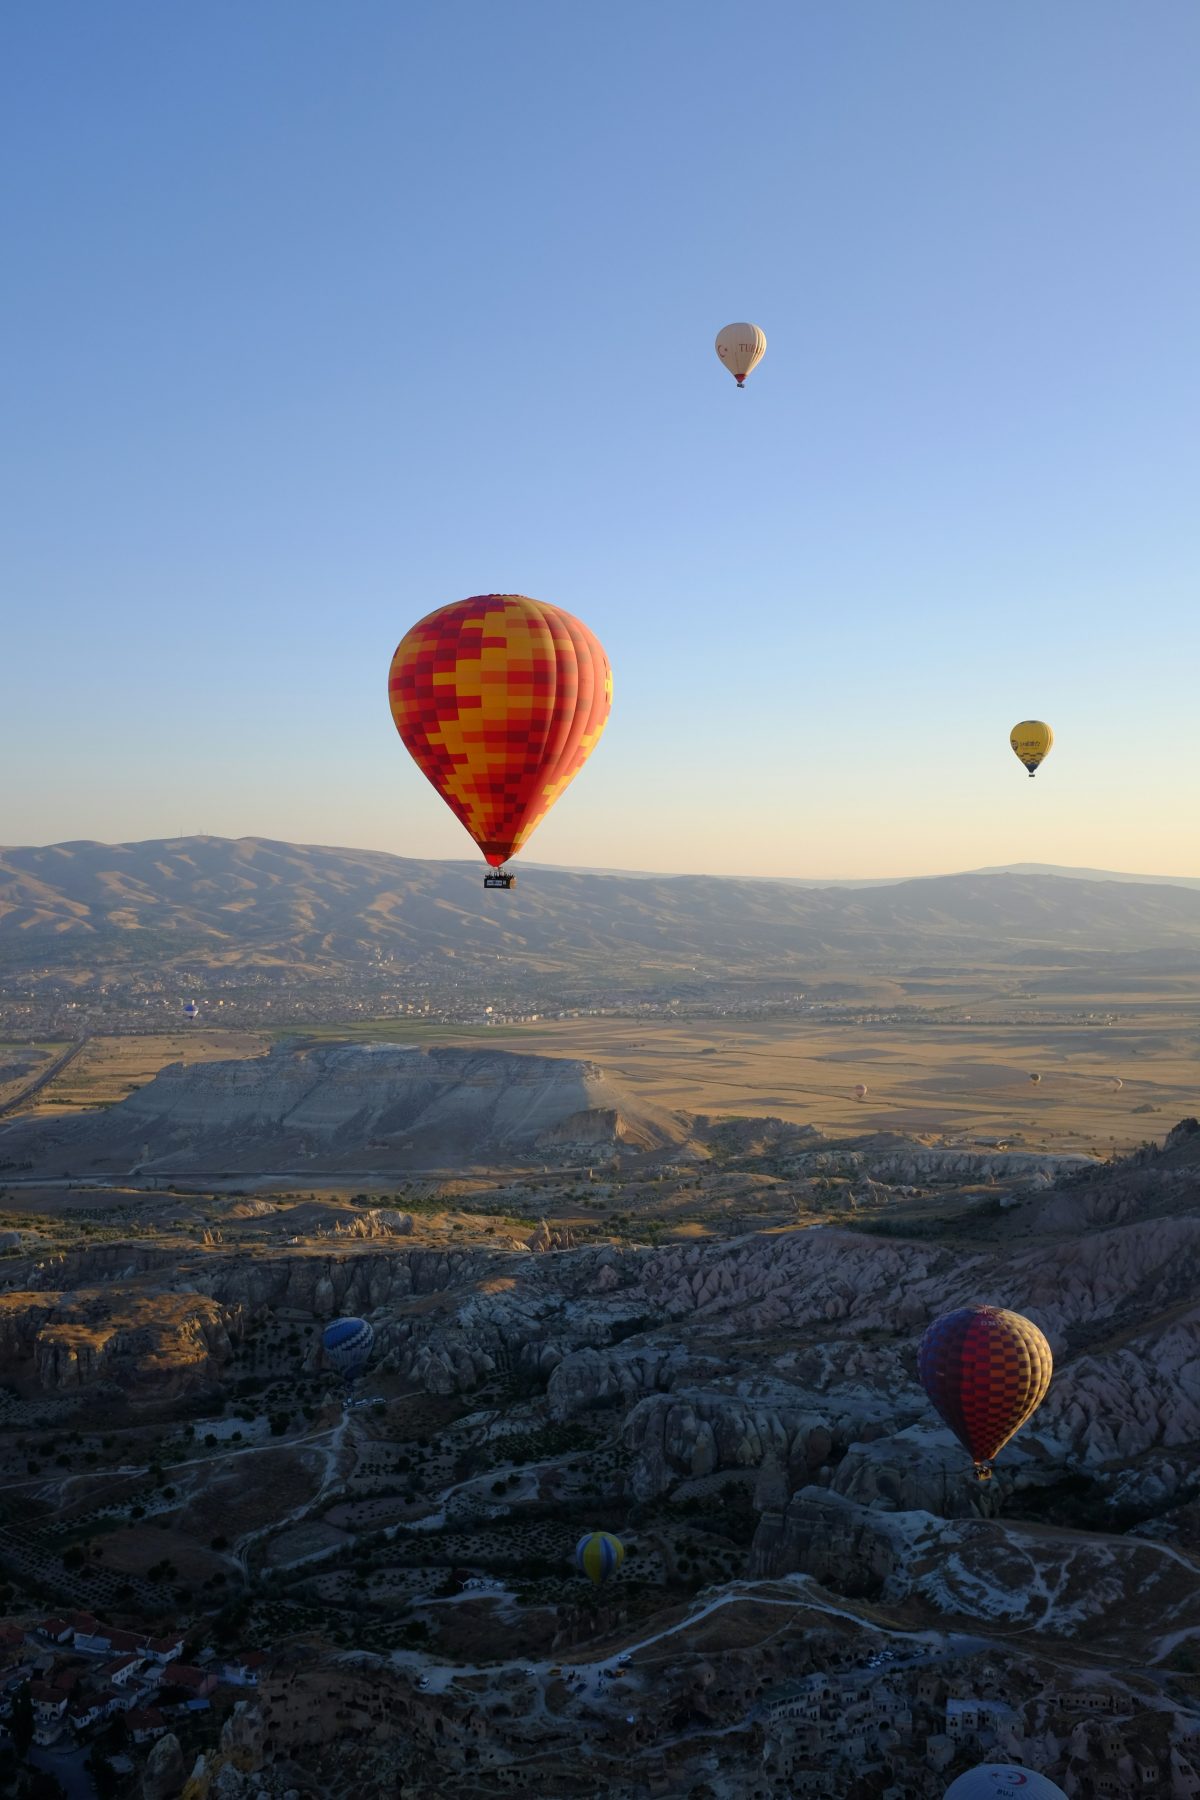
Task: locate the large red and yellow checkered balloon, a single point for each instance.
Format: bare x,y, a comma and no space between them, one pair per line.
500,700
986,1370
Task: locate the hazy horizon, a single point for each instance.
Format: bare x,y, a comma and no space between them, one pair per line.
309,347
533,864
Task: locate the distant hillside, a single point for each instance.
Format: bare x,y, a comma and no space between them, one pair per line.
220,904
1069,874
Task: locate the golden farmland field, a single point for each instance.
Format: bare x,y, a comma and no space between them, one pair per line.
963,1079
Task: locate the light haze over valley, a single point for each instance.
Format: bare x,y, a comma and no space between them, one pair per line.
622,1219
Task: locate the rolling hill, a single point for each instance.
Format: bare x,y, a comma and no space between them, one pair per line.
221,904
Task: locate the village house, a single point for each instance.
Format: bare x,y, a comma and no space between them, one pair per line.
49,1706
56,1631
930,1688
85,1712
165,1649
795,1700
145,1724
1185,1780
122,1670
123,1699
90,1635
243,1670
1087,1699
195,1682
969,1720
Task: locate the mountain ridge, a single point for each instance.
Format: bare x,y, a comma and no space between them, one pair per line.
215,903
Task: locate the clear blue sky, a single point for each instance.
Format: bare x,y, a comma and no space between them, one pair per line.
317,316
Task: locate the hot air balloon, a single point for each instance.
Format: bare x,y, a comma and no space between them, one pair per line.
999,1781
1036,1079
191,1010
1117,1083
740,348
500,700
347,1344
860,1090
1032,742
599,1555
986,1370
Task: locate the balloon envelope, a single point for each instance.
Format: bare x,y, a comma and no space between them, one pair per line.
599,1555
500,700
860,1091
997,1781
740,348
1032,741
986,1370
347,1344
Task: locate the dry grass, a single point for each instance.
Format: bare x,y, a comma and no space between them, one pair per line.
108,1069
932,1074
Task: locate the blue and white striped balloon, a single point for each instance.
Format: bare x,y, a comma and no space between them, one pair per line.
599,1555
347,1344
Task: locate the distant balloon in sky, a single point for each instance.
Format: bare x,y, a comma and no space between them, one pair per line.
986,1370
1117,1084
1003,1781
740,348
1032,742
191,1010
1035,1078
347,1345
599,1555
860,1090
500,700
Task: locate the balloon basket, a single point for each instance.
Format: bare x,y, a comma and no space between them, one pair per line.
496,878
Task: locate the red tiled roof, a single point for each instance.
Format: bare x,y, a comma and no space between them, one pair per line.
184,1675
146,1718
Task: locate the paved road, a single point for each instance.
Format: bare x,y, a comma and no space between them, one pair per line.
40,1081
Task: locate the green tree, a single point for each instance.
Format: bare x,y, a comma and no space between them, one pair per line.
20,1724
104,1776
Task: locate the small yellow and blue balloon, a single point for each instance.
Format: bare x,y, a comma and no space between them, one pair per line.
599,1555
1032,741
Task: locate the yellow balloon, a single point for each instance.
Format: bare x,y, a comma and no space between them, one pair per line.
1032,741
740,348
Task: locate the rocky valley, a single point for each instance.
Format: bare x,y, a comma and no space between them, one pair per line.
589,1312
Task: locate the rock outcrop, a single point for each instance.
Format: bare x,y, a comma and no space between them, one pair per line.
356,1106
162,1778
